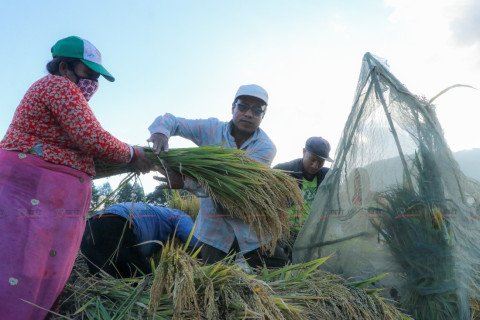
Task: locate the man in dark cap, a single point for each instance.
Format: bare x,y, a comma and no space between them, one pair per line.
310,172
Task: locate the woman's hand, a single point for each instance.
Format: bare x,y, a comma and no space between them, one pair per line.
140,162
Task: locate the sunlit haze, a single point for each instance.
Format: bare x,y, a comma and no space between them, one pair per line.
189,57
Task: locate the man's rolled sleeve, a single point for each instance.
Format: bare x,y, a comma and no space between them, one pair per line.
165,124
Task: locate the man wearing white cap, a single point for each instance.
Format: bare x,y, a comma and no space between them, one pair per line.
217,229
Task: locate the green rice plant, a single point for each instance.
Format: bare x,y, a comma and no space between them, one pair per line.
244,187
414,223
105,297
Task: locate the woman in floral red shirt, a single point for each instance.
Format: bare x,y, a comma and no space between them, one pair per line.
46,161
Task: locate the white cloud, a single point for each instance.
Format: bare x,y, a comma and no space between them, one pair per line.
441,48
341,28
417,10
440,21
466,26
427,18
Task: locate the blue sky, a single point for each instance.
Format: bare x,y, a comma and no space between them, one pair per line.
189,57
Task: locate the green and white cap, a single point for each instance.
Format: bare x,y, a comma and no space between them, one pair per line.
76,47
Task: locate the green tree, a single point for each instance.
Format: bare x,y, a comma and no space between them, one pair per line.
140,195
157,198
125,194
130,193
105,189
95,196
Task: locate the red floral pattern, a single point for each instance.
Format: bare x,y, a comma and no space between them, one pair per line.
55,113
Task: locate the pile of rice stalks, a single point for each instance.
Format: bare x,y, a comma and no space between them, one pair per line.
181,288
474,309
246,188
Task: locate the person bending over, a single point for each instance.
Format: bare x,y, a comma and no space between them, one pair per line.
113,237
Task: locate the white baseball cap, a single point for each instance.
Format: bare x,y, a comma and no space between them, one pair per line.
252,90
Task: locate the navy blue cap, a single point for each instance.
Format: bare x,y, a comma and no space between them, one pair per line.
318,147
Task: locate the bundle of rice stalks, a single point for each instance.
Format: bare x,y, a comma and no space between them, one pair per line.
414,224
319,294
418,239
474,309
187,202
181,288
218,291
244,187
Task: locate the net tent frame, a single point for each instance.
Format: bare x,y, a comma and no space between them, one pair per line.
387,131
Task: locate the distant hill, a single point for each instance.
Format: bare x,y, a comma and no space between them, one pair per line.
469,162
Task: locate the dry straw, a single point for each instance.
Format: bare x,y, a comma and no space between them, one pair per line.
187,203
181,288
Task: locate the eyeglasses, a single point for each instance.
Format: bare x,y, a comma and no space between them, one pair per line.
256,110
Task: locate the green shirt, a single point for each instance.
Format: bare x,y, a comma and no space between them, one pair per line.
309,190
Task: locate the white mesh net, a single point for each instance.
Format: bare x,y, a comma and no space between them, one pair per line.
396,202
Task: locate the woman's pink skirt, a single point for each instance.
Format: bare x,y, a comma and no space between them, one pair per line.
43,207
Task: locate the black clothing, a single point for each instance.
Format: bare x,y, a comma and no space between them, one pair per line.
113,247
296,168
256,258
